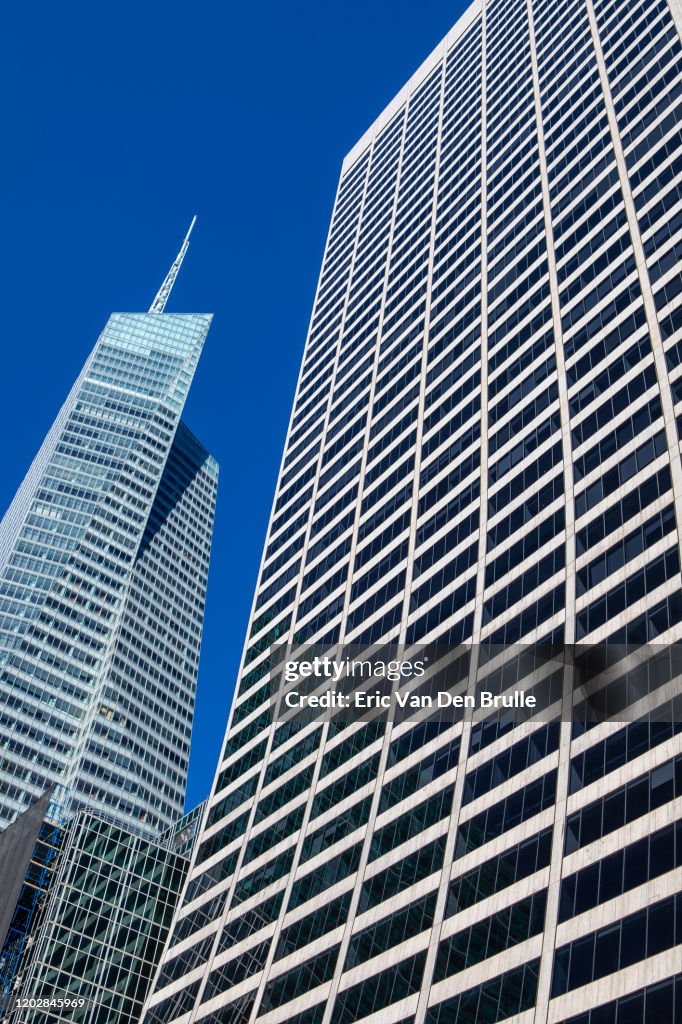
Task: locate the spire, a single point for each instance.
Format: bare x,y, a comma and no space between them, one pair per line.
159,303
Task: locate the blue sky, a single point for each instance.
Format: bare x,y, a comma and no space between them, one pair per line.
120,122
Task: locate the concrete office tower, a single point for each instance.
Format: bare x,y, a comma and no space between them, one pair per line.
483,448
103,565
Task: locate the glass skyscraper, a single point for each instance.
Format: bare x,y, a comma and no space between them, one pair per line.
104,558
484,450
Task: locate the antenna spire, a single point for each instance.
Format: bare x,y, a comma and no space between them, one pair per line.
159,303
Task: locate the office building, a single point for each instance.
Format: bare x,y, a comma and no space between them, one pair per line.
56,905
483,451
92,952
104,557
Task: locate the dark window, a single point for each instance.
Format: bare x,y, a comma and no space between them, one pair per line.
411,823
340,827
246,964
412,780
660,1003
379,991
490,936
648,858
328,874
402,875
510,762
343,787
309,928
495,1000
252,921
301,979
495,874
506,814
628,941
391,931
174,1006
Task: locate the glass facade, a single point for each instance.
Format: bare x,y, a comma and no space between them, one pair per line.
182,835
94,949
103,568
483,449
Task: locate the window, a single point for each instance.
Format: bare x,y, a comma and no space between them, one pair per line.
623,805
628,941
648,858
511,761
303,978
307,929
379,991
506,814
660,1002
494,934
391,931
495,874
495,1000
402,875
410,824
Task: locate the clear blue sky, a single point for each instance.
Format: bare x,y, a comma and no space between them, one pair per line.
123,119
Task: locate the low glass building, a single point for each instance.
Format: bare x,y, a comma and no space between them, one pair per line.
95,945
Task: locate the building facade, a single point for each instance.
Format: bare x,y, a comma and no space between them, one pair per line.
93,951
104,558
483,450
182,835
